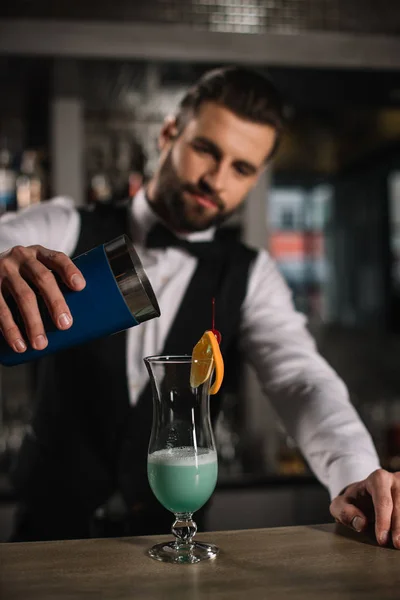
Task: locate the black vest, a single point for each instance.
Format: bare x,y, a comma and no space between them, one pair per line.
88,440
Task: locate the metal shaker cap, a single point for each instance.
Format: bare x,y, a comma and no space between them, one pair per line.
131,279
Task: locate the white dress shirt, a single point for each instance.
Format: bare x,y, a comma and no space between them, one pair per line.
306,393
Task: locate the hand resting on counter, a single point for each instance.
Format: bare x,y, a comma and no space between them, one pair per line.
375,500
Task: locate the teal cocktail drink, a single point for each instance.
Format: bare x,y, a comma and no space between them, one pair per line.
182,465
183,479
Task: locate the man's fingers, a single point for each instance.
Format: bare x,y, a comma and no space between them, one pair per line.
9,329
396,512
379,486
346,513
64,266
44,280
25,271
26,301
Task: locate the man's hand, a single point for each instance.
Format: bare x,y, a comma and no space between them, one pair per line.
21,266
373,500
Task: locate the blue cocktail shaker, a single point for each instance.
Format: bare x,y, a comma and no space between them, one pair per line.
117,296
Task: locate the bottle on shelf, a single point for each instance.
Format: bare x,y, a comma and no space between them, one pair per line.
7,179
30,180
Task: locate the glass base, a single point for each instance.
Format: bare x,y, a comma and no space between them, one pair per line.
173,552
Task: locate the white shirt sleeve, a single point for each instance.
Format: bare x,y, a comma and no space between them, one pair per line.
307,394
55,224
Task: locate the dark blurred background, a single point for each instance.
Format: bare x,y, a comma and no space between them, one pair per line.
84,89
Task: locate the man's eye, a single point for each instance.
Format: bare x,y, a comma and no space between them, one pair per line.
243,170
200,148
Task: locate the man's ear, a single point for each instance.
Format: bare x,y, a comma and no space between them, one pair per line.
135,182
168,133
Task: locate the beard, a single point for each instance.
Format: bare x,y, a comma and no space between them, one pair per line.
170,203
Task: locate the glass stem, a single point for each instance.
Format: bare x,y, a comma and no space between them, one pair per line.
184,530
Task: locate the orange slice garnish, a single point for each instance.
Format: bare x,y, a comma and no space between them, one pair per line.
207,355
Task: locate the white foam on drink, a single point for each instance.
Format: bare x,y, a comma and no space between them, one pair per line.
184,455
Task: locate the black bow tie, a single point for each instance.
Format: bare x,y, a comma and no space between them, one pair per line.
161,237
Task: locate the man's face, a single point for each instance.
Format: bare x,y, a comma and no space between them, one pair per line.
207,170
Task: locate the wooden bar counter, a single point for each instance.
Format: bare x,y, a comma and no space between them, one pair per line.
318,562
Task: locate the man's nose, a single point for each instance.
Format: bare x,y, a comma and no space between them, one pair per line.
216,177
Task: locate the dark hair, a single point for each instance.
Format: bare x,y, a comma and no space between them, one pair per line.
248,93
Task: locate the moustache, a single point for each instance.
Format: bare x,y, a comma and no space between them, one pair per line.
208,194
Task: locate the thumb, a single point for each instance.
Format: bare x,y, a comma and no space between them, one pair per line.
347,514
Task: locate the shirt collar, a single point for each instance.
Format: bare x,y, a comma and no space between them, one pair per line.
143,218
